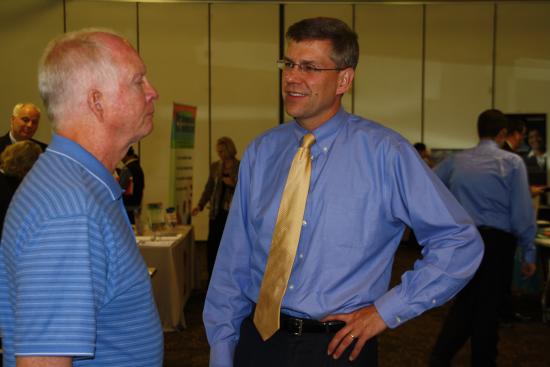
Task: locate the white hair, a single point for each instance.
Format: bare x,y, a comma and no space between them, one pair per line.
19,106
70,65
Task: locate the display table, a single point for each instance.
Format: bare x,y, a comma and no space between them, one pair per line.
171,255
543,249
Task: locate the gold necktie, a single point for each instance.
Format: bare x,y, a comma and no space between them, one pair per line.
285,242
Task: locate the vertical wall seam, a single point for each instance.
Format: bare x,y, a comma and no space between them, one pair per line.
209,83
137,29
64,16
423,77
494,65
139,52
353,14
281,55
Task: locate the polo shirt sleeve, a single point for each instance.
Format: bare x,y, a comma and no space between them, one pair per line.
55,313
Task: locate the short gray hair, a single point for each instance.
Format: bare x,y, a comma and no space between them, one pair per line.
19,106
69,62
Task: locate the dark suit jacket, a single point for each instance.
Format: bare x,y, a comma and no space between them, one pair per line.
5,141
8,185
536,173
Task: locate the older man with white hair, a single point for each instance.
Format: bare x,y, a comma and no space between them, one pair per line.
24,123
75,289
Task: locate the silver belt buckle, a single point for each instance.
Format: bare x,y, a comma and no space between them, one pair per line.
299,326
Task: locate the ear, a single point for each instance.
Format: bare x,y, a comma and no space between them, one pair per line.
95,103
345,80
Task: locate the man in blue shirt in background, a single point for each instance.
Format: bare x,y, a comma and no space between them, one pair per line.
491,184
367,184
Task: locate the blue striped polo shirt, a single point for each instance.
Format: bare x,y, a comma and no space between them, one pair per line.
72,280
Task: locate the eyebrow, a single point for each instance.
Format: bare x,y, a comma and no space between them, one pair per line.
286,58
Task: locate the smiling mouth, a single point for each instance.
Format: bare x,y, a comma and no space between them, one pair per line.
296,94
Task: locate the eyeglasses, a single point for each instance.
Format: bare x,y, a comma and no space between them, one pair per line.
286,65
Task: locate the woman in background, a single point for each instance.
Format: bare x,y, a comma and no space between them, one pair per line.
218,193
15,161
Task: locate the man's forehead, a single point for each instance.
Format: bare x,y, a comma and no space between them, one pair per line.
28,110
314,47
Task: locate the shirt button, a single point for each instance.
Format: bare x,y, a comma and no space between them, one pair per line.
325,149
398,319
433,301
291,287
301,256
312,157
304,223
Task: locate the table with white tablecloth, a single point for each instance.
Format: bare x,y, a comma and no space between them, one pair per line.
171,254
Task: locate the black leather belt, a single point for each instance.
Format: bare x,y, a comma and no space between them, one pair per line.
297,326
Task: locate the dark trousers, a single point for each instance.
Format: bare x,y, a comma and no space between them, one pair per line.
474,313
215,232
507,310
286,350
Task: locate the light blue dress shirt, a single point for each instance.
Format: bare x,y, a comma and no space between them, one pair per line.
491,184
367,184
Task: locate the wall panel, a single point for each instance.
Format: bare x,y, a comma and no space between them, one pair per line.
523,59
174,45
26,27
118,16
388,80
244,72
458,77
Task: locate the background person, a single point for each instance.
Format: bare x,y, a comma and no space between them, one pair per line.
516,130
218,193
491,184
24,123
132,181
424,153
536,159
83,295
367,183
15,161
515,134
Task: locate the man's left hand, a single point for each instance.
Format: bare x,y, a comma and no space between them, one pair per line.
362,325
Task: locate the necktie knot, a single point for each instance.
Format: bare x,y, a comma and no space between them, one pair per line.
308,140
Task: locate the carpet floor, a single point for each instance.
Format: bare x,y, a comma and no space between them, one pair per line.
521,344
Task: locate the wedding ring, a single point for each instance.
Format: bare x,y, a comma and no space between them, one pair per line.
352,336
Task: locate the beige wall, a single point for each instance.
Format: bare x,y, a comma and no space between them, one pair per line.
425,70
458,76
388,83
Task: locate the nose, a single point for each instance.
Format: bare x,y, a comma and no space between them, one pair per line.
292,74
150,91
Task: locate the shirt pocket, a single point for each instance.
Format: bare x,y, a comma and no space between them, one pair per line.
345,221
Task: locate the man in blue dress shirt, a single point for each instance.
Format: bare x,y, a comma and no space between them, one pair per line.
491,184
367,185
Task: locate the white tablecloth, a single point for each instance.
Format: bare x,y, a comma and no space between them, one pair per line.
171,256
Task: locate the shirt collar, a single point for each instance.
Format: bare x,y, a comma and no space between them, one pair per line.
489,143
324,134
12,139
76,153
532,154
